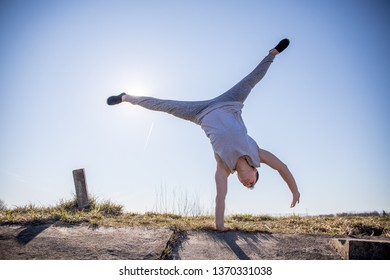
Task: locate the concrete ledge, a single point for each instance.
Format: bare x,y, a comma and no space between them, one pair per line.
84,242
238,245
80,242
362,249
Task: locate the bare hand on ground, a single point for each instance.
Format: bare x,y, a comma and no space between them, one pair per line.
223,229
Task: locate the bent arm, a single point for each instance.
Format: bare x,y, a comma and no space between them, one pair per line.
221,178
275,163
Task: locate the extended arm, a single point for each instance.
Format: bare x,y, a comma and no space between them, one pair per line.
275,163
221,178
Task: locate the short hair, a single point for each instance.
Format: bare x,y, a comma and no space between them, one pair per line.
257,178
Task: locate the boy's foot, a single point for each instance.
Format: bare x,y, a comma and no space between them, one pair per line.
115,99
282,45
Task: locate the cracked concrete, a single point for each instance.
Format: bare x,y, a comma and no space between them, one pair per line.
45,242
75,242
234,245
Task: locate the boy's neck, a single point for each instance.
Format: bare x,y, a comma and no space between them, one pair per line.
242,164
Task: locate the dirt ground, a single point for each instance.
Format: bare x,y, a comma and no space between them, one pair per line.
64,242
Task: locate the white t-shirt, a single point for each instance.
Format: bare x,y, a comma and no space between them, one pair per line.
223,125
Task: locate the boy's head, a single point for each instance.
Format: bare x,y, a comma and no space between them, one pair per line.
248,177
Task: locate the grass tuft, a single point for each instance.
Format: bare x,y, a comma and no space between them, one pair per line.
65,211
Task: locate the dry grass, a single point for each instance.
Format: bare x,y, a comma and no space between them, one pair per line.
107,213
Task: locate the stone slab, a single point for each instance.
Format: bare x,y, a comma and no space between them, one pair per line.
54,241
235,245
48,241
362,249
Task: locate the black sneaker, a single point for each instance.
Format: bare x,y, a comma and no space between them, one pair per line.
115,99
282,45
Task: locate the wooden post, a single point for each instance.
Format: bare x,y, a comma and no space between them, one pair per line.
80,184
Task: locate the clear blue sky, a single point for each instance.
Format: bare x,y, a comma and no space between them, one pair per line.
323,107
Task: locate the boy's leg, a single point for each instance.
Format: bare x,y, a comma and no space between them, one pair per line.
182,109
241,90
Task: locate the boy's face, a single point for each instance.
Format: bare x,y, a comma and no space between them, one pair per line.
247,177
